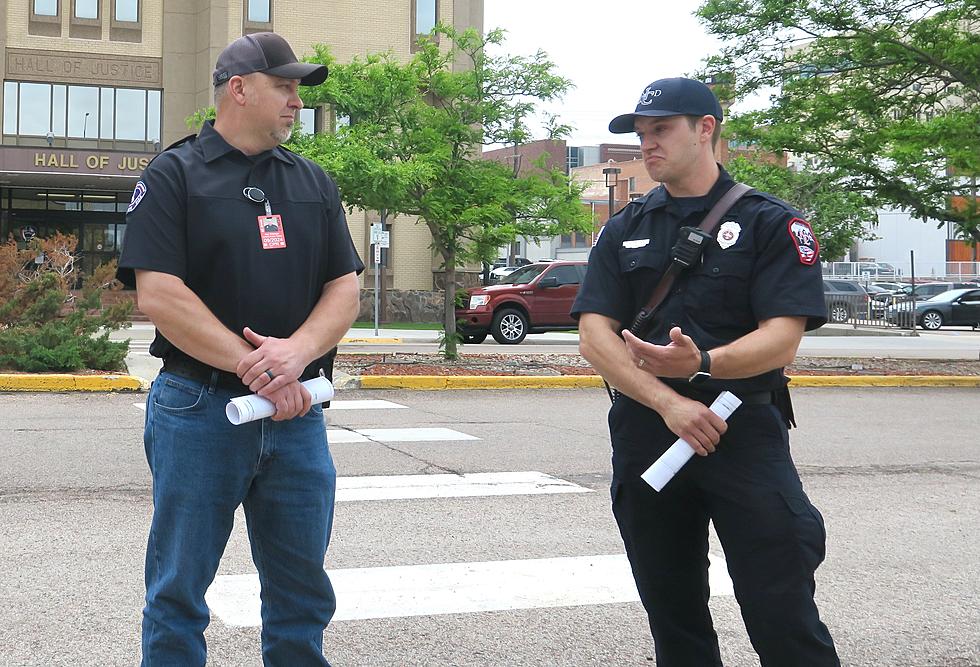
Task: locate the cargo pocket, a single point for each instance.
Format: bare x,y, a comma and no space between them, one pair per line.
808,528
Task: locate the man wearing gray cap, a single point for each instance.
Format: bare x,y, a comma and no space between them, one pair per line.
723,310
241,257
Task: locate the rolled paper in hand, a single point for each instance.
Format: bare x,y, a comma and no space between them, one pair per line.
664,468
244,409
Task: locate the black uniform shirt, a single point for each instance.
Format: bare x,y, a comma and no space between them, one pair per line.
769,267
190,219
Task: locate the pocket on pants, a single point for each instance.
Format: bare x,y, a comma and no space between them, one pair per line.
808,528
174,396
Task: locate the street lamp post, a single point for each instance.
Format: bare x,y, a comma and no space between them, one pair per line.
85,125
611,174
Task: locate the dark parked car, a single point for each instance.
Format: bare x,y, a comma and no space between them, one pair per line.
950,308
533,299
845,299
925,291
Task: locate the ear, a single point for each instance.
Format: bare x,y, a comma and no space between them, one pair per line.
707,128
236,89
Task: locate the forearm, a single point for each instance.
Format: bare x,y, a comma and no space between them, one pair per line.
773,345
185,321
330,319
606,351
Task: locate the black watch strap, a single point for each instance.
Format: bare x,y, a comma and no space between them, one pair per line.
704,370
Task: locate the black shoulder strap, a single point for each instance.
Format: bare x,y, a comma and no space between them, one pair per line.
717,212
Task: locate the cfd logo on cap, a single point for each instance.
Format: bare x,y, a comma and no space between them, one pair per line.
648,94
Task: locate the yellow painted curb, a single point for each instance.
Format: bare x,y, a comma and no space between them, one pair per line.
430,382
479,381
380,341
65,382
884,381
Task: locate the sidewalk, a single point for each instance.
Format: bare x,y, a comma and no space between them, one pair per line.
831,341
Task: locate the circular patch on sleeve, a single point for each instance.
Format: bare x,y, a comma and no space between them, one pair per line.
806,243
138,192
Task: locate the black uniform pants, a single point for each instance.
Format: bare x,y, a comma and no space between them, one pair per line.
773,539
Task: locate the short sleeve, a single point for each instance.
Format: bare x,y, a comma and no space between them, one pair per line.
604,289
341,256
787,281
156,236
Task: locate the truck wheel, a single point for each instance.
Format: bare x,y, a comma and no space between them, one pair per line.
509,327
839,312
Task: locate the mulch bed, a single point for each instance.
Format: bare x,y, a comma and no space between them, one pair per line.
401,363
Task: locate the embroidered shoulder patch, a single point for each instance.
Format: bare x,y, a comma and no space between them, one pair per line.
806,243
138,193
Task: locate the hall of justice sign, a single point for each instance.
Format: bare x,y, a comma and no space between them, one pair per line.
99,162
69,67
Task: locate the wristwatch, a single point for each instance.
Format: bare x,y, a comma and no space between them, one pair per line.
704,370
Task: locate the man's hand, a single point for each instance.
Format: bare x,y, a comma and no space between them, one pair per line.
695,423
680,358
292,400
272,365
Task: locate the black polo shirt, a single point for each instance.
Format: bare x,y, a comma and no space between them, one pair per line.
189,218
762,263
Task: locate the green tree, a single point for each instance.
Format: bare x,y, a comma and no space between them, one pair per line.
882,97
838,216
414,142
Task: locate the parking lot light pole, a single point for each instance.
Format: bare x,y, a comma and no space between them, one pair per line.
611,174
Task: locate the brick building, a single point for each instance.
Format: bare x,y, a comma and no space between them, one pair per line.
92,89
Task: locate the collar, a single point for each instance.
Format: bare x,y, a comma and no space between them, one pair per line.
214,146
659,197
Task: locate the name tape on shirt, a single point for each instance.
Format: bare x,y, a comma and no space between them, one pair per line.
636,243
271,232
806,243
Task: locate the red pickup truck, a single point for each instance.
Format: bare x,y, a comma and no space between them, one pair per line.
534,299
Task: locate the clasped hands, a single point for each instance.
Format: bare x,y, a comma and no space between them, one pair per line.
272,371
680,358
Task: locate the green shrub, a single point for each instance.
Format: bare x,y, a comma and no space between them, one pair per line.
42,326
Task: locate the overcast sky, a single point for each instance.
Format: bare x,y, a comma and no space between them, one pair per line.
610,50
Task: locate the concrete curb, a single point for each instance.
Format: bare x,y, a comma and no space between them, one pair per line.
430,382
370,339
63,382
66,382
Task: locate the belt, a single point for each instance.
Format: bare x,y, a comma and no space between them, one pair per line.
708,397
192,369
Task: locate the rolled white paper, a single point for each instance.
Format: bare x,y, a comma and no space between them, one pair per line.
664,468
244,409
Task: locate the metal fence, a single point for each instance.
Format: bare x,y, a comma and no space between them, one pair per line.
902,272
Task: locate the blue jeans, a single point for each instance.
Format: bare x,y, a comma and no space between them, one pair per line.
203,468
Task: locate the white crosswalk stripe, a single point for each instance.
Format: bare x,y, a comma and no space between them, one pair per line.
458,588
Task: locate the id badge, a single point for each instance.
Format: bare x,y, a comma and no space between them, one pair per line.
271,232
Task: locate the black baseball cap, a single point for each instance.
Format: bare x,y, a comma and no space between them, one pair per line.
265,52
670,97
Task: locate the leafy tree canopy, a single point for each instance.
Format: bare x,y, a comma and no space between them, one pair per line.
414,140
882,96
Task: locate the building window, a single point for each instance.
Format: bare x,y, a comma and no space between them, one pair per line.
126,11
307,121
86,9
425,15
45,7
258,16
63,112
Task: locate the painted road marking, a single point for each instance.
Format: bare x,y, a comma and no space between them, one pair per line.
417,434
342,405
365,405
400,487
459,588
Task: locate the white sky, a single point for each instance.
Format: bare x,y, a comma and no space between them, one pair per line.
610,50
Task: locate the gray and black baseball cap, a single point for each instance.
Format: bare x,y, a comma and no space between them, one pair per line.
670,97
265,52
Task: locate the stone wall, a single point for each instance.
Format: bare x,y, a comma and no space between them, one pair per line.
403,306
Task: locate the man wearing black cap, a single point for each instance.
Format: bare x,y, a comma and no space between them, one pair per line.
242,258
730,321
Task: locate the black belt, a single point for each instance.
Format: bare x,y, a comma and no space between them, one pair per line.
192,369
708,397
